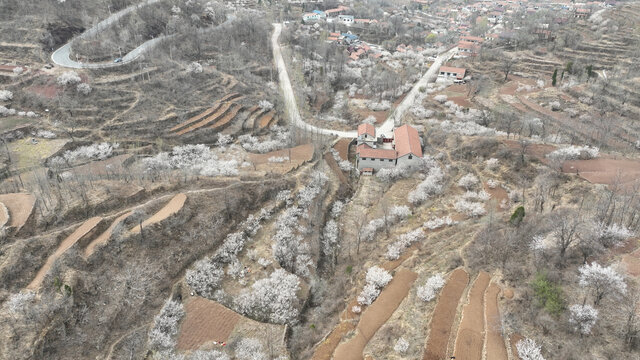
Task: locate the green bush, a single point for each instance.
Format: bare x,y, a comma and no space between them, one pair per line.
548,294
349,269
517,216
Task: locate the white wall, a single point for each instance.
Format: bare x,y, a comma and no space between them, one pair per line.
375,164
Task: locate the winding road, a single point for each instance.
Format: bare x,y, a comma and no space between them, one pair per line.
62,56
386,127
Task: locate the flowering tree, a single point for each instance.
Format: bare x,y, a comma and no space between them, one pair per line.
430,186
194,68
165,325
440,98
5,95
376,278
68,78
574,152
583,318
612,235
428,291
404,241
468,181
492,164
205,277
529,350
265,105
271,299
602,281
84,89
250,349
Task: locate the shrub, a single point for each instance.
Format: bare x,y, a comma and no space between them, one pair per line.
401,346
492,164
517,216
548,295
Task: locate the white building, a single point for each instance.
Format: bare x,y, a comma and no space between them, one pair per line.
403,149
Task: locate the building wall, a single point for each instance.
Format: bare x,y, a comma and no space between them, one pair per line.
376,164
404,160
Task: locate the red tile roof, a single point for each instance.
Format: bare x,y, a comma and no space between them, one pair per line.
458,71
407,141
365,151
368,129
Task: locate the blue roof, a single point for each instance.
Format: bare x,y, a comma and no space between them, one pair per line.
319,12
350,36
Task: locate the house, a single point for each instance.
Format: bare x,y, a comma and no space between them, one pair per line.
310,17
466,48
337,11
452,72
404,149
366,135
582,13
349,38
472,39
346,19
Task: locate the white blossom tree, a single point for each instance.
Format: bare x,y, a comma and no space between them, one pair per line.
84,89
429,290
468,181
205,277
5,95
583,318
529,350
601,281
272,299
401,346
68,78
165,326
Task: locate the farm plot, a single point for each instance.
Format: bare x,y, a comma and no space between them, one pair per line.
377,315
222,111
105,236
226,119
173,206
19,206
297,156
494,344
205,321
444,315
266,120
623,172
470,337
67,243
102,168
249,123
26,154
499,194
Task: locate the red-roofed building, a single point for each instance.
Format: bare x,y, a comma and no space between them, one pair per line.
366,134
408,147
450,72
472,39
405,148
466,48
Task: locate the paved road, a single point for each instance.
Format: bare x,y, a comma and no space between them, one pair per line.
386,127
62,56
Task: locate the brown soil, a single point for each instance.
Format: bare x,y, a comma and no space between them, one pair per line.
297,156
380,116
104,167
631,263
78,234
624,172
342,147
205,321
222,110
538,151
444,315
48,91
224,121
20,206
495,348
377,315
324,351
508,293
266,119
513,340
198,117
173,206
104,237
470,337
498,194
